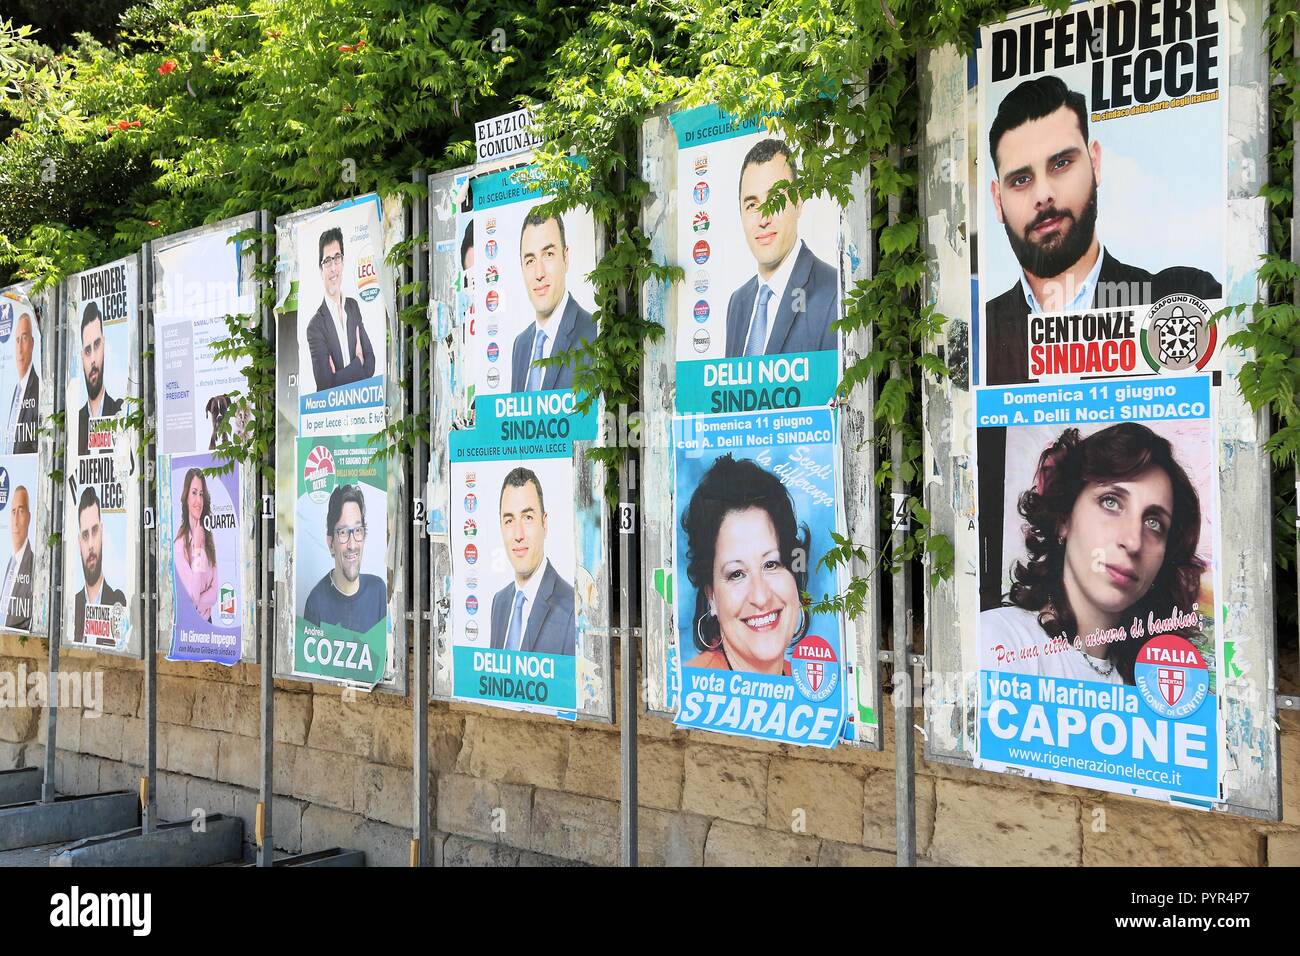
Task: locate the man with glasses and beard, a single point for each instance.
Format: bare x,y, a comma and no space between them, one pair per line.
345,597
95,591
93,358
336,335
1045,195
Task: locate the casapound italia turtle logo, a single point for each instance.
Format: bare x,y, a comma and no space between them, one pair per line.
1178,334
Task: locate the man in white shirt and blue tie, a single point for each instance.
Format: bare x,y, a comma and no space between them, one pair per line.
559,323
535,612
792,303
24,404
17,586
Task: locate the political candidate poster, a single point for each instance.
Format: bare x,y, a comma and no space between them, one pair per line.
756,325
1101,248
342,629
521,578
531,298
1101,260
756,502
1099,666
102,496
205,575
22,480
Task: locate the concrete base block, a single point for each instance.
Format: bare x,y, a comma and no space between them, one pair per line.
336,856
171,844
67,818
20,786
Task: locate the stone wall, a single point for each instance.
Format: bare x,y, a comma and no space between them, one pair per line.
511,789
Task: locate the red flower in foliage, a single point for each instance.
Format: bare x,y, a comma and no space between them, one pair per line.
155,223
168,66
350,47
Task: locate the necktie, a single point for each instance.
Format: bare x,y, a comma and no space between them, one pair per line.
8,592
11,438
514,634
758,328
535,371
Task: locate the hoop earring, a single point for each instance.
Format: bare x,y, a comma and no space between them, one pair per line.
804,624
699,633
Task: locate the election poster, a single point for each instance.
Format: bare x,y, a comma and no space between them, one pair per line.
531,296
1101,249
204,568
101,535
342,629
521,567
756,323
1100,666
22,480
756,503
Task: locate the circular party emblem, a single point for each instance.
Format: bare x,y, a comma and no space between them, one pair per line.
1179,334
815,668
471,604
494,351
471,554
701,340
490,247
700,222
318,473
701,282
1171,676
493,300
493,377
491,226
702,311
700,253
701,164
471,529
701,193
471,503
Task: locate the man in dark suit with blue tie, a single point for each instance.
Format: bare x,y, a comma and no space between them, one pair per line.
792,303
336,336
24,407
559,323
535,612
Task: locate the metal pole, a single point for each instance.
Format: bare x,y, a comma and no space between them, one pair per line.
629,699
264,534
54,628
1295,236
148,785
420,696
904,748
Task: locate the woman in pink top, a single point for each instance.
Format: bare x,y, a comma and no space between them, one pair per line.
195,551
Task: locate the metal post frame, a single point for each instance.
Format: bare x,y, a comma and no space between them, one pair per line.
265,591
55,512
419,213
1244,611
148,554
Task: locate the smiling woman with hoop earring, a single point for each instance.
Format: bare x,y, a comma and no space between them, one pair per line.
744,545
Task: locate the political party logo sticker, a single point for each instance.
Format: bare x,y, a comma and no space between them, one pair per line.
701,193
471,528
815,668
471,630
494,351
1171,676
701,164
1178,334
471,554
700,221
471,604
490,248
4,488
491,226
226,604
493,300
318,473
471,503
491,275
702,311
367,279
493,377
492,328
700,253
471,479
701,282
701,340
6,321
471,582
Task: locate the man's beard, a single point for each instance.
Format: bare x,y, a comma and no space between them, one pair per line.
94,385
91,571
1048,262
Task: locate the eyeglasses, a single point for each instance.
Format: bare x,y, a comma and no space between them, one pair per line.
350,534
334,260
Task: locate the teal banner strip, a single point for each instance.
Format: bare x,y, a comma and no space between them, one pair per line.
515,677
795,380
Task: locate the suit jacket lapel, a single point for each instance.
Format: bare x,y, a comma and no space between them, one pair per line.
563,335
785,311
541,608
332,343
736,335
